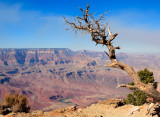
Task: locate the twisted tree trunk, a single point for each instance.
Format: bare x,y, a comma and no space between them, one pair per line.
98,32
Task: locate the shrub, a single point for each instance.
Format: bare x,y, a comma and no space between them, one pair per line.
138,97
14,103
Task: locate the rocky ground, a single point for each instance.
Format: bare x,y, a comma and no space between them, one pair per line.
107,108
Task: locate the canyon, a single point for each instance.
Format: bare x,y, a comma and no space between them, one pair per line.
53,78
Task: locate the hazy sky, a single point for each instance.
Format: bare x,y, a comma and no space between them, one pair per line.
40,24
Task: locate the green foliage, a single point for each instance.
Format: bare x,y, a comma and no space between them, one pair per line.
138,97
14,103
147,77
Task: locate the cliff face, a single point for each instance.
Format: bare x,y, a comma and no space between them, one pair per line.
32,56
56,78
29,57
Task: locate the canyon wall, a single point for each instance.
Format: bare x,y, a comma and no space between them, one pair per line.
59,77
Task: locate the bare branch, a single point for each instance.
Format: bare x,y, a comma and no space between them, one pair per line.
117,47
79,18
87,9
113,64
68,28
104,28
101,16
112,37
81,9
128,86
106,53
109,32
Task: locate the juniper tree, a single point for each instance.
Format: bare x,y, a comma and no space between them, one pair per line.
101,34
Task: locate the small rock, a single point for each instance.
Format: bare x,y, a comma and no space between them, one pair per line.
38,112
72,108
12,114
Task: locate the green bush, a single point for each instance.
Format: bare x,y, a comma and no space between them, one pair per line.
138,97
14,103
147,77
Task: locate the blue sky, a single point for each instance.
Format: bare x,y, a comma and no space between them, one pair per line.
40,24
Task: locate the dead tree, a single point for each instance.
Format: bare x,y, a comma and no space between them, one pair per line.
100,35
